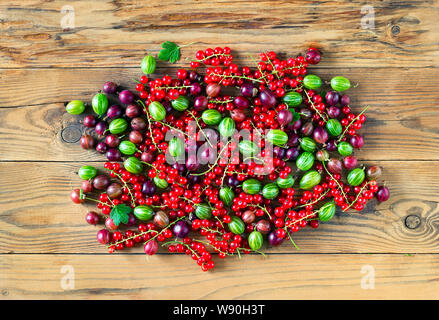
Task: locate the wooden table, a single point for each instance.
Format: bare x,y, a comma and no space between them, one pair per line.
43,236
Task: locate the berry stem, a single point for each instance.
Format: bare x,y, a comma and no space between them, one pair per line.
216,161
182,243
336,181
199,127
315,201
167,227
358,195
349,125
124,184
324,117
291,240
175,87
94,200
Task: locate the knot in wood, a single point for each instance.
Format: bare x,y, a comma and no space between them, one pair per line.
412,221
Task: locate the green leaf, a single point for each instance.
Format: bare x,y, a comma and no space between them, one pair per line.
170,52
164,55
296,116
175,56
169,45
119,214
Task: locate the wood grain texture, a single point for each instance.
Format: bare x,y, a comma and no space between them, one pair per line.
117,33
43,220
277,277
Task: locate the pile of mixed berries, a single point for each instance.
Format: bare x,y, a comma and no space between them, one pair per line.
221,161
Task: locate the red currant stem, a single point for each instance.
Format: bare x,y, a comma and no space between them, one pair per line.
291,240
251,250
303,218
259,69
188,44
204,189
274,71
150,123
97,201
336,181
199,127
219,220
237,172
259,132
209,204
358,195
349,125
314,107
239,253
135,80
261,160
175,87
163,123
315,201
234,76
129,238
216,161
109,199
125,185
293,67
225,172
261,207
171,127
150,130
295,222
212,230
188,200
167,227
227,253
296,89
182,243
221,101
148,164
216,55
122,136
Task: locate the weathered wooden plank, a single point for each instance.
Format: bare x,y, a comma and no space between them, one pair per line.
169,277
117,33
47,132
392,93
36,215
